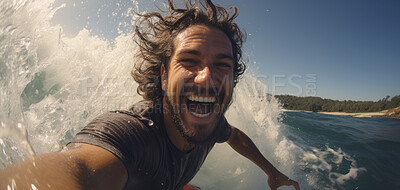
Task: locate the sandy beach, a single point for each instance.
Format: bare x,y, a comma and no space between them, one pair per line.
369,114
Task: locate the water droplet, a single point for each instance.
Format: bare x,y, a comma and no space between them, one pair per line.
151,123
33,187
129,121
13,184
162,184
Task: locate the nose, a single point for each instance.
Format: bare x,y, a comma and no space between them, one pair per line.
203,76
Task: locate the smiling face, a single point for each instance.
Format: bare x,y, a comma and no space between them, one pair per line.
198,83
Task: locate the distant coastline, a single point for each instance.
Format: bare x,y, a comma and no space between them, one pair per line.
391,113
386,107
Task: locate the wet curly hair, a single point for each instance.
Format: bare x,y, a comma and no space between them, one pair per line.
155,35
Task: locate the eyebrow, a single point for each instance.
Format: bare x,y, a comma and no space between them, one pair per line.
194,52
219,56
224,56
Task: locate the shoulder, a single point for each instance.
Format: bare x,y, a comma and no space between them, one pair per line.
125,133
115,117
133,118
118,128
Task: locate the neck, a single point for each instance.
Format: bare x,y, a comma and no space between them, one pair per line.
173,133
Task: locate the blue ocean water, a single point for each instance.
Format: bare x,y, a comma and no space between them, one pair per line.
372,143
52,84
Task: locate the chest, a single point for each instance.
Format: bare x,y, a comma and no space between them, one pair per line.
164,168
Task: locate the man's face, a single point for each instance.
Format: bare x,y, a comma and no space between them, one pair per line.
199,81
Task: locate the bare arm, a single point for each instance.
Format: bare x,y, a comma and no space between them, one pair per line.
242,144
83,166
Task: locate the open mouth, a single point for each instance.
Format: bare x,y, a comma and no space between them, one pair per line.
200,106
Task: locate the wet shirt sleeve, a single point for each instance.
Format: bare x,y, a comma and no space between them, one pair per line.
117,133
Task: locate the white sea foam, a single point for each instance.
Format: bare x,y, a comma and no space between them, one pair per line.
337,164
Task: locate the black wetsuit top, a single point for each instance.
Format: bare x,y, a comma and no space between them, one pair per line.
139,139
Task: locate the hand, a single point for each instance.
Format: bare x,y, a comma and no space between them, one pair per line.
277,179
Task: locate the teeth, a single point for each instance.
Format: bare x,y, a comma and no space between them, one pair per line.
200,114
201,99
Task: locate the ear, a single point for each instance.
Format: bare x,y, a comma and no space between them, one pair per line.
164,77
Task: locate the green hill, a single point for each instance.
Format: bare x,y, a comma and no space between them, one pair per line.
317,104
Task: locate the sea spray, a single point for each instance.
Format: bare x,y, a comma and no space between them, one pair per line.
14,136
54,83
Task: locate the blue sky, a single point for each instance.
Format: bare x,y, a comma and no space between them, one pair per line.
342,49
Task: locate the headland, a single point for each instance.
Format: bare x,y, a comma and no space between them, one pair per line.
386,107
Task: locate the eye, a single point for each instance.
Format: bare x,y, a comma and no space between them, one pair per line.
224,65
188,61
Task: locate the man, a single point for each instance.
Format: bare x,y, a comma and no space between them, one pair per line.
191,63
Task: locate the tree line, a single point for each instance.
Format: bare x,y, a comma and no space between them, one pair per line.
317,104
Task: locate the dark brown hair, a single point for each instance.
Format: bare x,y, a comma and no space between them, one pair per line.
155,35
